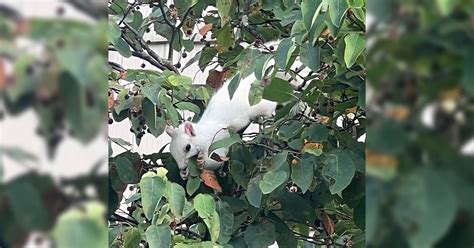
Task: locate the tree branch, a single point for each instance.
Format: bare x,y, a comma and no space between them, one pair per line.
95,9
167,64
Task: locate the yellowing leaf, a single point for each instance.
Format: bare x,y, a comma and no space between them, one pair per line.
210,180
206,28
399,112
351,110
327,223
314,148
110,102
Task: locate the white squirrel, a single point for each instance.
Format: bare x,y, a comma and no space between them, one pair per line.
221,114
189,139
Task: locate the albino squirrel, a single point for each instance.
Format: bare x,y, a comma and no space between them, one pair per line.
222,113
189,139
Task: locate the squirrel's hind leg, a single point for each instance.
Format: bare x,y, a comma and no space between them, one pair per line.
263,108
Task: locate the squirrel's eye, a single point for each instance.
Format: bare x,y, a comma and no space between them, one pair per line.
187,148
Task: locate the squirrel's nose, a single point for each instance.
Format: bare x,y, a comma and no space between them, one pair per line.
184,173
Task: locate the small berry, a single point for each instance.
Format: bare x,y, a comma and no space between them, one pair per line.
60,43
29,70
60,11
131,130
131,187
271,48
142,65
127,96
230,48
184,55
189,32
178,65
148,130
138,7
203,40
111,121
148,42
148,30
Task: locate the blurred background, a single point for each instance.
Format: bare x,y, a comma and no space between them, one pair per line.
53,135
420,105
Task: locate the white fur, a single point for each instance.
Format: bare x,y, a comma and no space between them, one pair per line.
221,114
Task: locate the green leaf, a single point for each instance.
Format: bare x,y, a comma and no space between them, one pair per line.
88,222
256,93
309,10
310,56
225,38
446,6
279,90
122,47
359,214
337,9
427,201
237,171
176,198
204,205
234,84
223,8
284,235
152,189
296,207
158,236
355,45
171,112
317,132
114,32
226,218
156,124
192,185
188,106
253,193
338,170
260,235
468,80
125,170
302,173
225,143
207,55
213,225
283,53
271,180
132,238
261,66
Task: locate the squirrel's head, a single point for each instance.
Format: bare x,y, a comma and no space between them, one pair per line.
182,147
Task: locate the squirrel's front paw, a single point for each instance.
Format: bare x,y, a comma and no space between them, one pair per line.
201,160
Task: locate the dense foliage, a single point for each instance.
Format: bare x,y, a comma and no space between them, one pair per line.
421,67
55,68
299,181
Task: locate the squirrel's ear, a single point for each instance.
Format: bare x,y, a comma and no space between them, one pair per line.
189,129
170,130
